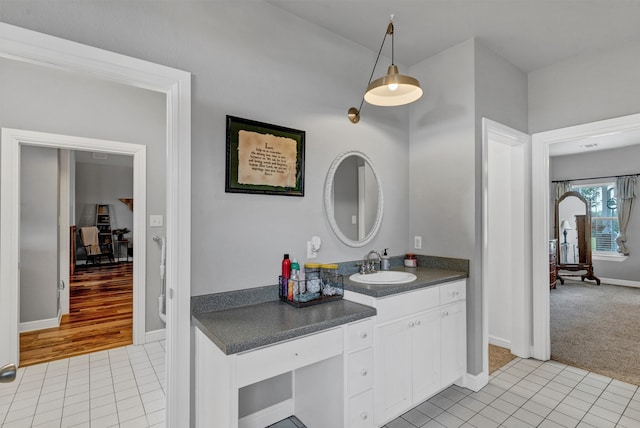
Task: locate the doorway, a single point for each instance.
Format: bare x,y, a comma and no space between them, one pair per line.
63,192
621,128
12,141
51,52
506,239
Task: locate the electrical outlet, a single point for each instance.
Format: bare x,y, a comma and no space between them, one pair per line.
417,242
155,221
310,253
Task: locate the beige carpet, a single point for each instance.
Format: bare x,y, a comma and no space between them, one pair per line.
597,328
498,357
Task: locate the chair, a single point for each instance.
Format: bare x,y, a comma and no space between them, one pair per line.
93,249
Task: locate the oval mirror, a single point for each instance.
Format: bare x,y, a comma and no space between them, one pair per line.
353,198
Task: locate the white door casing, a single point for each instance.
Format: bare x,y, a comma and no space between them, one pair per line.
12,140
541,200
516,271
24,45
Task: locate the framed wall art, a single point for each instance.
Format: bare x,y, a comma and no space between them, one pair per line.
264,158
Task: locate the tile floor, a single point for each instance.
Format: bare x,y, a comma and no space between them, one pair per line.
122,387
530,393
524,394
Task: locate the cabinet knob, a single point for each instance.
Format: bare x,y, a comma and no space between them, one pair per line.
445,314
364,416
418,322
363,335
411,324
363,372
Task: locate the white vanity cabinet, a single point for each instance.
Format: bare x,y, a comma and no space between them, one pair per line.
420,345
332,375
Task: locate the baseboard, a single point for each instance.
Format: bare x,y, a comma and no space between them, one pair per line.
268,416
499,341
154,336
624,282
41,324
475,382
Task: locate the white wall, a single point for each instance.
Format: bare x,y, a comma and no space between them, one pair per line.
47,100
604,163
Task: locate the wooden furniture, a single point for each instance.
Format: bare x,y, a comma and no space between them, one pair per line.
93,249
103,223
552,263
573,207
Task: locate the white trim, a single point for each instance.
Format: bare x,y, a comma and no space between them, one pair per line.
475,382
608,257
622,282
25,45
499,341
540,218
155,335
520,303
12,139
268,416
41,324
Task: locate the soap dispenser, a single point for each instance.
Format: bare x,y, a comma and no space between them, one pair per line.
385,263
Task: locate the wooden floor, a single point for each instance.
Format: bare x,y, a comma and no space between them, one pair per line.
100,317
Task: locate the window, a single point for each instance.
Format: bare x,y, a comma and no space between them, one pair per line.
601,198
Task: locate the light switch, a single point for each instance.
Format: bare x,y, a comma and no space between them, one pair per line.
155,221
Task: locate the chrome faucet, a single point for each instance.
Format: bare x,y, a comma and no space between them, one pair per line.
370,265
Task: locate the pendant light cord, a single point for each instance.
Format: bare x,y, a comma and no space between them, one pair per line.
378,57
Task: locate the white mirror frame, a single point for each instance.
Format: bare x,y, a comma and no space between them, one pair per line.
328,200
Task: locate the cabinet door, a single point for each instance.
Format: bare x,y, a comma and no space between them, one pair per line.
425,355
393,369
453,327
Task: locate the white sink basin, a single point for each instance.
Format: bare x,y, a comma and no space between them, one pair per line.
383,277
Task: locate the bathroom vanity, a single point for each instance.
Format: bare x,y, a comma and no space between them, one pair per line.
357,362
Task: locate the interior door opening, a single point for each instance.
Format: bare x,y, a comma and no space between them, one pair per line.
93,278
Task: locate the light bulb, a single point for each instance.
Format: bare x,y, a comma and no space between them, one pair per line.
393,86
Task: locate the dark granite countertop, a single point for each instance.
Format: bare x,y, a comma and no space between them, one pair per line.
247,327
426,277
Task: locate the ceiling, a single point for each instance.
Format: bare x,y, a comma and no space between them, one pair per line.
530,34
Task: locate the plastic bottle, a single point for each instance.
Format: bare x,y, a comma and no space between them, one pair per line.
293,288
385,263
286,273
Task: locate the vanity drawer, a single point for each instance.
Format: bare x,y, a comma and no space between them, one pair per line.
453,292
360,411
263,363
401,305
360,335
359,371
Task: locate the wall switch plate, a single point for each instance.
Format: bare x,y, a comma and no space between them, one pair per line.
155,221
417,242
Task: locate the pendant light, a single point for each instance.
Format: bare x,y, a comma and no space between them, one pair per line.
392,89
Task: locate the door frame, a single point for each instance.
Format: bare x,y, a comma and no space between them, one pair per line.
12,141
541,203
29,46
520,302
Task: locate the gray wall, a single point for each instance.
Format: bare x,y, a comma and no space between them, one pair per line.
252,60
47,100
585,89
604,163
464,84
38,234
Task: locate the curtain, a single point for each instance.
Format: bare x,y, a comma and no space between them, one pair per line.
561,188
625,192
